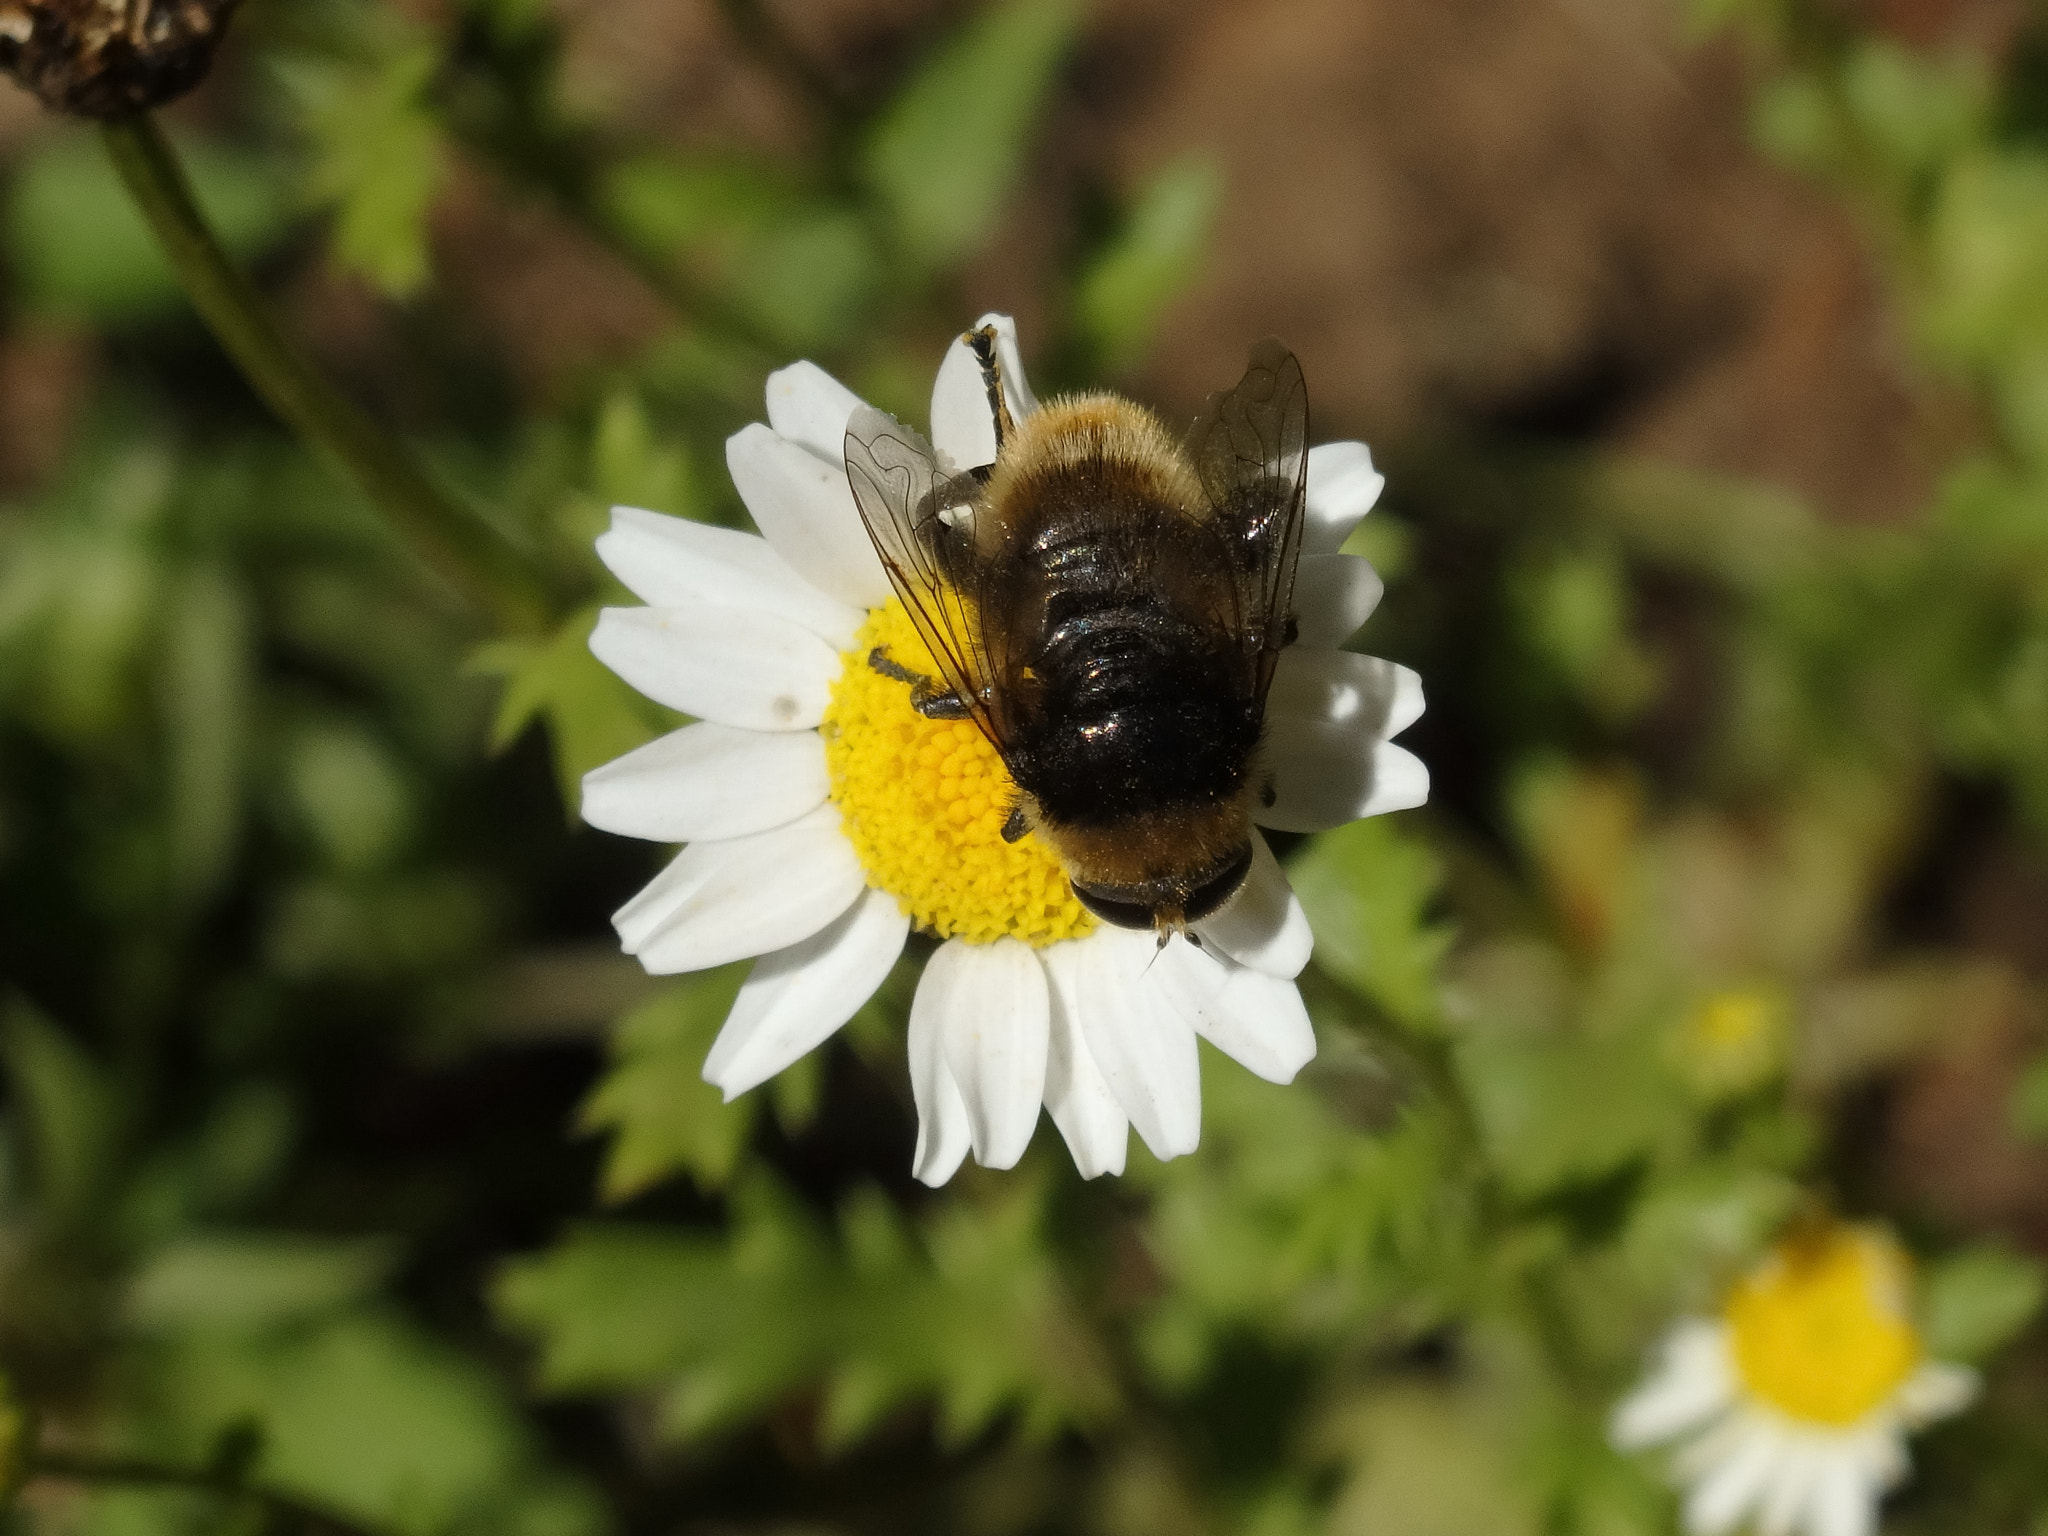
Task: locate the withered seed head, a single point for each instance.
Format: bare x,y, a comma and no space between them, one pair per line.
108,58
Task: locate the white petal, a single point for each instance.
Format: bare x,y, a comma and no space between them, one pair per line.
1879,1446
804,506
1263,925
1728,1490
1689,1386
1143,1047
1363,693
1843,1502
727,900
942,1132
962,427
1096,1129
1256,1019
1789,1494
989,1001
1322,776
737,666
708,780
1935,1391
810,407
794,999
1333,595
672,562
1342,487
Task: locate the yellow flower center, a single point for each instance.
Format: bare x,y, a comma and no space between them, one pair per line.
1820,1331
924,802
1733,1021
1733,1041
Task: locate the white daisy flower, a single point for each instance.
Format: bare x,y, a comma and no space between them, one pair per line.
1790,1412
824,818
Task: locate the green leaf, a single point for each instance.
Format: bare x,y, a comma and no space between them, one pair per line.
967,1312
374,1419
665,1118
946,151
351,796
204,687
1368,891
1127,289
77,245
1988,242
378,160
608,1305
69,1106
2028,1108
591,716
811,279
1556,1111
630,465
250,1281
1975,1302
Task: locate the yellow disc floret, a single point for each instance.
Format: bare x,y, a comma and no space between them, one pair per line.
924,801
1820,1330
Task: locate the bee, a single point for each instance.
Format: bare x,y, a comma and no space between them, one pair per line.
1107,605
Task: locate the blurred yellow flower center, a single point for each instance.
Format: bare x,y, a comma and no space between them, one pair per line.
1819,1331
1733,1041
924,801
1733,1021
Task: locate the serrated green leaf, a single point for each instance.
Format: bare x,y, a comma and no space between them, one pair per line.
946,151
591,716
664,1118
971,1316
378,160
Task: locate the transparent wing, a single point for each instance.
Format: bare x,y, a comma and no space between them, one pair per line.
920,520
1249,445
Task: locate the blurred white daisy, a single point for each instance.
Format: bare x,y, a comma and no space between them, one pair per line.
825,818
1790,1412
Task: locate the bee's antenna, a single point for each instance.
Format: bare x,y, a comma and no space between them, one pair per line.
983,344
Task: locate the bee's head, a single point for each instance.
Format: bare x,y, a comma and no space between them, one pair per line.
1167,903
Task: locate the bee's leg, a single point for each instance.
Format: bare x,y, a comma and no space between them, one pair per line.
929,701
983,344
1291,632
1015,826
882,662
926,696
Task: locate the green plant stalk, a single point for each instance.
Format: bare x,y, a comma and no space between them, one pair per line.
459,546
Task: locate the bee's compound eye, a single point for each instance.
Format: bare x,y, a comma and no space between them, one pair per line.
1118,914
1220,887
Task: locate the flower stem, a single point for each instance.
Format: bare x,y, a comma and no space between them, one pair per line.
132,1472
459,546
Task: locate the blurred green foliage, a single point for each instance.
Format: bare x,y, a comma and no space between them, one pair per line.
319,1181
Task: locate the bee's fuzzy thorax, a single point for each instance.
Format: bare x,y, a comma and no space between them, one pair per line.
1095,432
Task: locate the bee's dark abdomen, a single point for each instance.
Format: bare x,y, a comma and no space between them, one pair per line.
1137,713
1137,701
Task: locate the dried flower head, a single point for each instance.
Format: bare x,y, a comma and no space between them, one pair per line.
110,58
